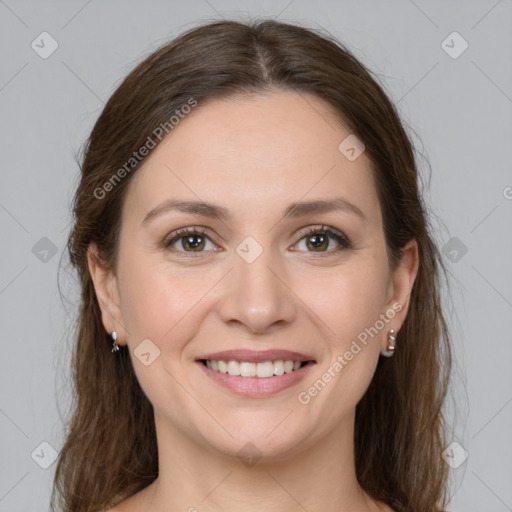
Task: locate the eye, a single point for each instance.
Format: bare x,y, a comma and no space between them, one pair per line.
189,240
319,240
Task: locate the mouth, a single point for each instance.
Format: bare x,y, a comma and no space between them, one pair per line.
255,374
260,370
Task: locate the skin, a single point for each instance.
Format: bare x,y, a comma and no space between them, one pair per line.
253,155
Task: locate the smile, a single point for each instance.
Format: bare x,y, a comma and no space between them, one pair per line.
255,380
248,369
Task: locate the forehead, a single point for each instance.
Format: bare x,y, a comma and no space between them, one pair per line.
270,148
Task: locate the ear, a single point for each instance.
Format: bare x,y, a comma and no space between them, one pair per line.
401,283
107,292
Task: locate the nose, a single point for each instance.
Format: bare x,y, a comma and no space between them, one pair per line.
256,296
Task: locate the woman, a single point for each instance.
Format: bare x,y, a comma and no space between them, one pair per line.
260,323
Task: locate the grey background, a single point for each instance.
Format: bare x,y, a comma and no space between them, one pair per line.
459,107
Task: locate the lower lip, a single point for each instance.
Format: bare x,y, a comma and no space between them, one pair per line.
256,387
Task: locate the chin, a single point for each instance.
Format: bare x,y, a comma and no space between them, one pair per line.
270,441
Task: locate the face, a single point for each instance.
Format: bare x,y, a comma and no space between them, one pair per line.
264,267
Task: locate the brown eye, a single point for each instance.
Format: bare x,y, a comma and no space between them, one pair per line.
188,240
320,240
193,242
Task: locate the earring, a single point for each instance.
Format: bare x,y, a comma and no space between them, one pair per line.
390,348
115,346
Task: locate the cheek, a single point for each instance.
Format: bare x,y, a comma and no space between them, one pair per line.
165,307
347,299
348,302
159,303
149,302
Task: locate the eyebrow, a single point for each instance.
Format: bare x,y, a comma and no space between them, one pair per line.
293,210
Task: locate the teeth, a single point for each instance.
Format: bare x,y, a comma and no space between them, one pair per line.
278,367
245,369
234,368
265,369
261,370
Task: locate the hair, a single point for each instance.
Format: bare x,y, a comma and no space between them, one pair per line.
110,450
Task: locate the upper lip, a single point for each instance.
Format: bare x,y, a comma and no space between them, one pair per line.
256,356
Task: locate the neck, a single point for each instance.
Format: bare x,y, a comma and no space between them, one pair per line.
316,476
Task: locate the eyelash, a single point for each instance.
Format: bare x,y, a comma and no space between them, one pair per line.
343,241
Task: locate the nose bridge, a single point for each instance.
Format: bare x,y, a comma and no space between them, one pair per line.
252,264
256,295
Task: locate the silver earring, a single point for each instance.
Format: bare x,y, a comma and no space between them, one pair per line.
390,348
115,346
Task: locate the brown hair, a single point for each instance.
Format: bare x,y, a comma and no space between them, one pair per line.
110,451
